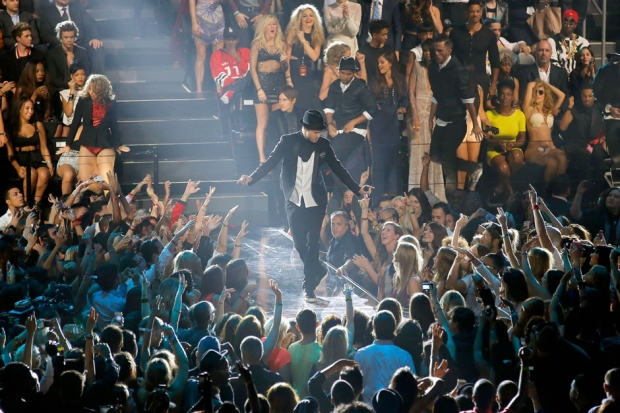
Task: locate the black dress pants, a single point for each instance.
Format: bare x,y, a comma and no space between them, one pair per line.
305,225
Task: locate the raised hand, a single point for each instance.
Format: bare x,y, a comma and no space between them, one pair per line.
364,202
91,320
502,217
361,261
438,335
157,307
31,324
276,290
440,369
242,231
364,177
462,221
192,187
244,372
103,350
230,214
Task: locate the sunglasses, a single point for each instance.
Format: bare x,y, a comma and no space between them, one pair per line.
381,221
540,92
569,21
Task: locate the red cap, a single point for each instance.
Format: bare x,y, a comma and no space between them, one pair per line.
571,13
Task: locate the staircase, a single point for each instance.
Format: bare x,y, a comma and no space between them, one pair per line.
174,135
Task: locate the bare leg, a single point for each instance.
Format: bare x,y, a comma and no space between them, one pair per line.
43,177
560,156
501,168
262,117
105,162
68,174
199,66
462,152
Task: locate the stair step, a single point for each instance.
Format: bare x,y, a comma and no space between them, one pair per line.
184,152
128,29
138,58
119,13
147,75
198,170
156,132
188,107
155,43
131,91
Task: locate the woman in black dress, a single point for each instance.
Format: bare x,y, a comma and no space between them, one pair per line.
389,90
304,42
28,146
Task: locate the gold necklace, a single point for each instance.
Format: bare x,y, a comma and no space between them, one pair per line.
572,49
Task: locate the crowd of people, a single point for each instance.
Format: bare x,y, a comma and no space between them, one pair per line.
105,306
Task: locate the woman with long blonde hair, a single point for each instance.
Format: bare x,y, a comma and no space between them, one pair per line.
304,41
270,72
335,347
539,106
541,261
408,266
100,141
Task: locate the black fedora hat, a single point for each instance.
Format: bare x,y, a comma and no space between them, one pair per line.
313,120
348,63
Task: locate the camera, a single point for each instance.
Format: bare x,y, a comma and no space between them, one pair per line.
494,130
427,287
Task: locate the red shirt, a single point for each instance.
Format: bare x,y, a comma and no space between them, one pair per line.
99,112
226,69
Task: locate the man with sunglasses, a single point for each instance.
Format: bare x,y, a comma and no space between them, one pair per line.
566,44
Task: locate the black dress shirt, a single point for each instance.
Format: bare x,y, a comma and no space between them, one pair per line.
57,67
353,102
472,50
451,87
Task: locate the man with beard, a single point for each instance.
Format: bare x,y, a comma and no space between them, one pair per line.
566,44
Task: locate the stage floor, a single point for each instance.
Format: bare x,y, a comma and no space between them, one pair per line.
269,254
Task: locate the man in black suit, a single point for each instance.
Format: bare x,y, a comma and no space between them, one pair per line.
10,17
59,57
303,153
388,11
607,94
543,69
453,98
63,10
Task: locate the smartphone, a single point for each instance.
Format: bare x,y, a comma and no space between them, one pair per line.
427,286
93,277
118,318
98,178
526,225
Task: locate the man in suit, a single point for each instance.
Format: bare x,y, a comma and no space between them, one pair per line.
560,191
10,17
63,10
302,154
59,58
543,69
453,98
607,94
388,11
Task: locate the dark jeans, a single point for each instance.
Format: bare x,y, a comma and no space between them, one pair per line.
444,143
247,35
305,225
384,170
585,165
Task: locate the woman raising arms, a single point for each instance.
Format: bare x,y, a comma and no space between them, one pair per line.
539,107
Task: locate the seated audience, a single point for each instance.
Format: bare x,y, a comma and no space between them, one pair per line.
230,66
60,58
21,54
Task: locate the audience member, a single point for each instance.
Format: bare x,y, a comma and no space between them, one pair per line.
230,66
342,21
60,58
566,44
207,29
21,54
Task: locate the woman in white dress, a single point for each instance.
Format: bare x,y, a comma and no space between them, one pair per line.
343,19
420,95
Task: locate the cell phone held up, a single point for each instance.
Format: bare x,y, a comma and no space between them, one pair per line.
427,287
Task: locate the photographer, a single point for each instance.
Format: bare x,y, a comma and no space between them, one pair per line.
504,153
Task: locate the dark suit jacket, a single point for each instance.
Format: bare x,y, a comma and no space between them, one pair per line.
106,135
12,67
557,77
57,68
356,100
287,149
390,13
50,17
6,25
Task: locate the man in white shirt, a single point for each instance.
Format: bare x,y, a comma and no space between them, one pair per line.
14,199
380,360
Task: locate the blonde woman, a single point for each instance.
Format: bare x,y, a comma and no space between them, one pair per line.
270,72
408,266
541,261
335,347
333,53
304,40
539,106
99,140
343,19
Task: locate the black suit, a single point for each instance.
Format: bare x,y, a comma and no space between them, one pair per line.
57,67
6,25
50,16
606,91
557,77
305,222
105,135
12,67
390,13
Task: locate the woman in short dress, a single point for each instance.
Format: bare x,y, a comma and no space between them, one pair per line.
67,166
304,41
270,73
207,28
27,146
